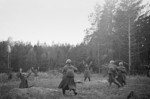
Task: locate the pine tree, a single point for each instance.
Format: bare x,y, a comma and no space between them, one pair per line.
126,15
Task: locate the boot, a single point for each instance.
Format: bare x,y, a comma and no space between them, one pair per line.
74,91
63,90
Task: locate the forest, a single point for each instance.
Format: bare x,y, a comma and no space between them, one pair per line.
120,30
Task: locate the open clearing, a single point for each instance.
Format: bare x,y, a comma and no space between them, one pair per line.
96,89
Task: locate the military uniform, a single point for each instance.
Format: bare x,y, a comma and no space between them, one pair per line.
121,75
112,71
24,81
68,82
87,73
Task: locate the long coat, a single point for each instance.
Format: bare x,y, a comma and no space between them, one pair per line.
68,82
112,71
24,81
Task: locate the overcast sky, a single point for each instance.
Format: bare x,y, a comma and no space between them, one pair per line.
61,21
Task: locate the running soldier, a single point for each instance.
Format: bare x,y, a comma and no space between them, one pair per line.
121,78
112,71
68,82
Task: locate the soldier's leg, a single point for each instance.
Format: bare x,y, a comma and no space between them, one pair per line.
85,78
110,80
26,82
63,90
124,82
116,82
74,90
89,78
119,79
124,79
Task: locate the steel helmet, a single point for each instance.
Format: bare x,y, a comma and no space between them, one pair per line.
68,61
120,63
112,62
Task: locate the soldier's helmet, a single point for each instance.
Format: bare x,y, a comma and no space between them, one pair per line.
68,61
120,63
20,69
112,62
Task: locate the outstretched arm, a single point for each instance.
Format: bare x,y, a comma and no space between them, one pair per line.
83,62
29,74
90,64
75,69
64,69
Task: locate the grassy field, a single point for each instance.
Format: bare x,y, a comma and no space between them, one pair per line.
96,89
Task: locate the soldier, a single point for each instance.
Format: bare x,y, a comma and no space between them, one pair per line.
112,71
148,71
68,82
87,71
35,71
121,74
23,78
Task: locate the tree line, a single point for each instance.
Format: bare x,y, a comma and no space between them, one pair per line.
120,30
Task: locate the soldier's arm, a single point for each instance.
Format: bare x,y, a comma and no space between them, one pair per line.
75,69
64,69
83,62
90,64
29,74
116,70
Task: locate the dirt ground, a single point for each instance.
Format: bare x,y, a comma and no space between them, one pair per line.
97,88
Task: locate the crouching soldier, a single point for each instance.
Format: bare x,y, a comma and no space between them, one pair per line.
112,71
87,71
23,78
68,82
121,78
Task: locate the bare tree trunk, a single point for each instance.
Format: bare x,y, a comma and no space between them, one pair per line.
8,60
99,58
129,38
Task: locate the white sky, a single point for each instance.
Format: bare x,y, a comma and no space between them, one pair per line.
61,21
